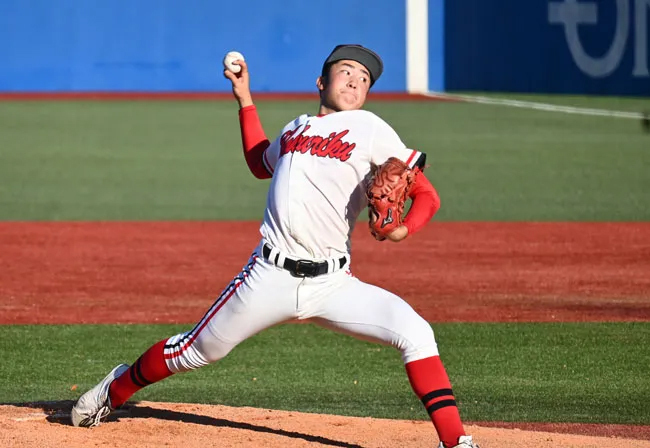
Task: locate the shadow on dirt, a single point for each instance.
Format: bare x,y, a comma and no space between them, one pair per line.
58,412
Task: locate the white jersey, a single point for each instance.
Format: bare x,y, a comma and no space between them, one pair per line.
320,167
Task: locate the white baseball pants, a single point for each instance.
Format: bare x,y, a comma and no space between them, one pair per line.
263,295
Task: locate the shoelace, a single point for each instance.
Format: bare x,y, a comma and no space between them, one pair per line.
103,412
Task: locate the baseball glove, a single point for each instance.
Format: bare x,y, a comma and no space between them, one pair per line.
387,192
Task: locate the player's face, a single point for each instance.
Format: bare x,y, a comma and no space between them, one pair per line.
346,86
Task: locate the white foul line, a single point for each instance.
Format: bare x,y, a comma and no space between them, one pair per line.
538,106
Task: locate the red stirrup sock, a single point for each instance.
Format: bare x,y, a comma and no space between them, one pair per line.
148,369
431,384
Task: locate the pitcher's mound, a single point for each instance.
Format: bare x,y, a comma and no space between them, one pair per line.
148,424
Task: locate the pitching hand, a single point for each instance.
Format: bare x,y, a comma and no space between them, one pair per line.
240,84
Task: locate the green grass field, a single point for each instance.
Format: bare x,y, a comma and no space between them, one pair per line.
118,160
183,160
509,372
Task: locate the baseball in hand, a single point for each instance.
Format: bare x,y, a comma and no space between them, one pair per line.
230,58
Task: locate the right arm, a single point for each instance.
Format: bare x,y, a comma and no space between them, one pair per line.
253,137
255,142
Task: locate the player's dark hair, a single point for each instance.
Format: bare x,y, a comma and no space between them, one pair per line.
326,70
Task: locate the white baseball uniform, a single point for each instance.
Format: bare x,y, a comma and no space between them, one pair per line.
320,166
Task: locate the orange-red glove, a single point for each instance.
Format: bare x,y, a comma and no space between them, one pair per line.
387,192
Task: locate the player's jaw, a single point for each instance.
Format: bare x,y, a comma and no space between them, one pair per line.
345,87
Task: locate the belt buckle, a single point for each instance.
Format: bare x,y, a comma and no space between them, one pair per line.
305,268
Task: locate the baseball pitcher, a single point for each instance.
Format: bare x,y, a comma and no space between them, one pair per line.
325,169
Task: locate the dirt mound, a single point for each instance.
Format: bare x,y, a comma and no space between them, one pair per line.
148,424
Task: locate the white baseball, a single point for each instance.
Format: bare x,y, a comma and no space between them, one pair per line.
230,58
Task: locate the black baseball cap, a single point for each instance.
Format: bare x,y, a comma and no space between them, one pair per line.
358,53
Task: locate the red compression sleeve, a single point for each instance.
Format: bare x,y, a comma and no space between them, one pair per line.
426,203
254,141
431,384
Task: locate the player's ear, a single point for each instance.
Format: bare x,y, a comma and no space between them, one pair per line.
321,83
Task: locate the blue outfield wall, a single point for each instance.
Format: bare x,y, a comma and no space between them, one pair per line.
436,45
548,46
545,46
169,45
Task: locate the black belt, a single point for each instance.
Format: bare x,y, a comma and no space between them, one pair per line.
302,268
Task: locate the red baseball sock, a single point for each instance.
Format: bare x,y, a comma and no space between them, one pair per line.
431,384
148,369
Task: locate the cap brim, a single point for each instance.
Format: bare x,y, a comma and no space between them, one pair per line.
362,55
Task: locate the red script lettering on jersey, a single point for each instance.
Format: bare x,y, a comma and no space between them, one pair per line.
332,146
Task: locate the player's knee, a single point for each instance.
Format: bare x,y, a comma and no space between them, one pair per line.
200,353
418,342
213,349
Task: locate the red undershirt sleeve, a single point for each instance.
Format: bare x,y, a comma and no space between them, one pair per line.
254,142
426,203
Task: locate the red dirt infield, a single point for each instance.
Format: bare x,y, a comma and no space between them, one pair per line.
170,272
112,272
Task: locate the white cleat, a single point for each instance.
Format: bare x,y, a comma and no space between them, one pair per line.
463,442
94,406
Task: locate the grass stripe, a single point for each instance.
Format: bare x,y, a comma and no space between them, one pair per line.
513,372
182,160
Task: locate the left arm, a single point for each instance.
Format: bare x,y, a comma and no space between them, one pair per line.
386,144
426,203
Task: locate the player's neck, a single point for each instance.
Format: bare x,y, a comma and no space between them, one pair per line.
325,110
